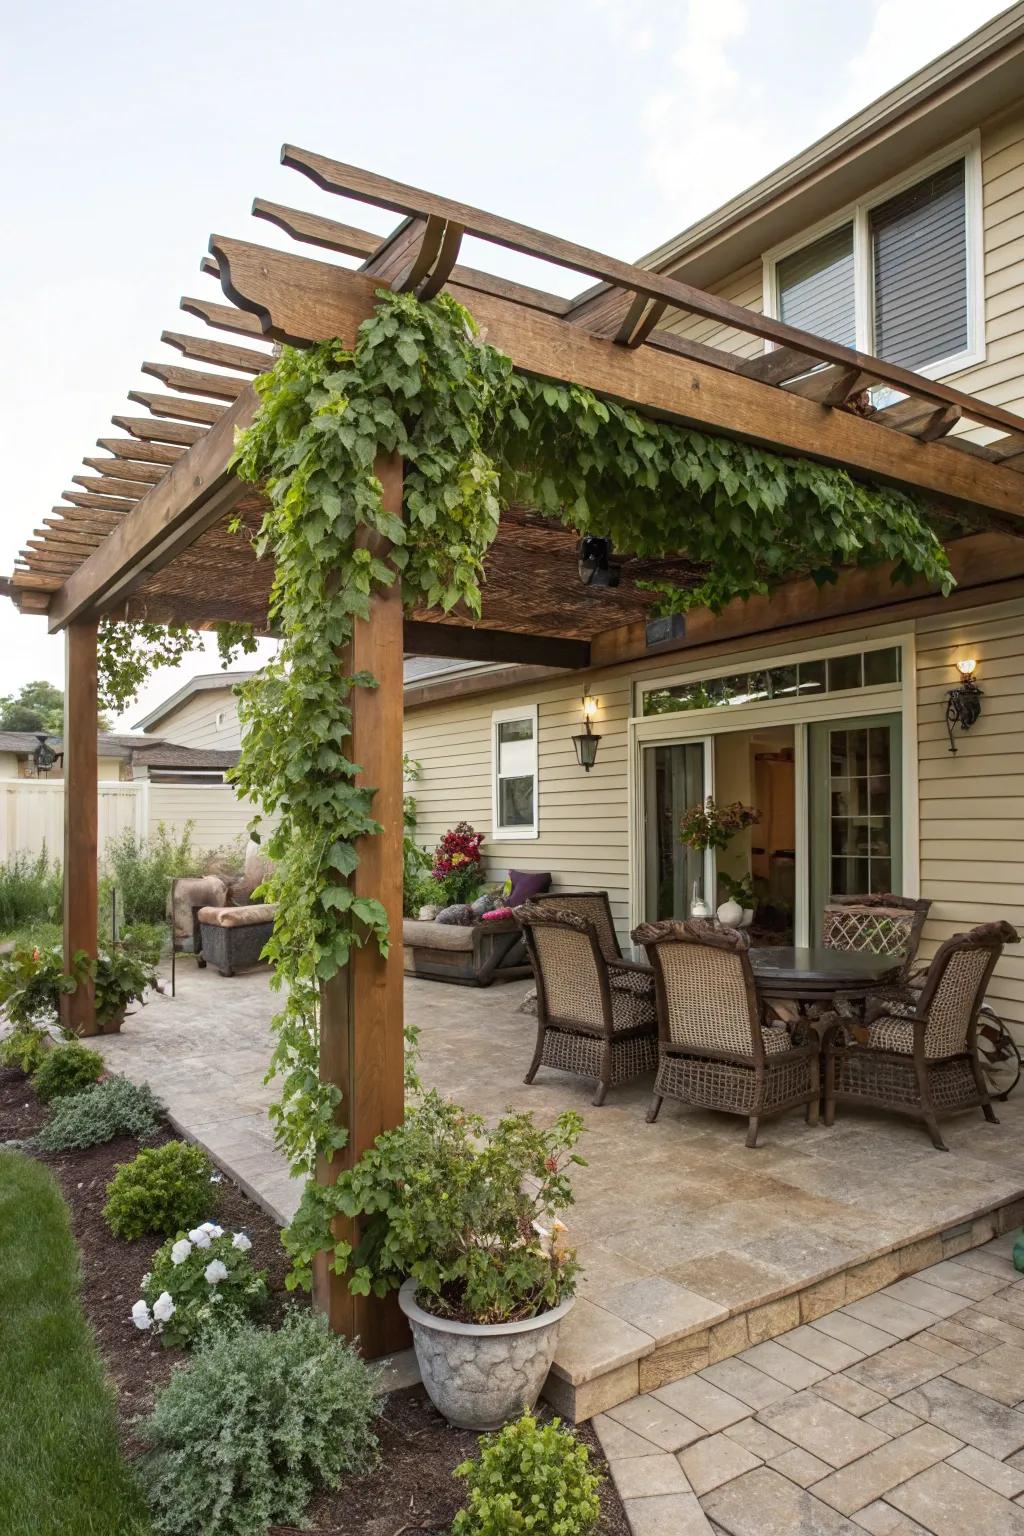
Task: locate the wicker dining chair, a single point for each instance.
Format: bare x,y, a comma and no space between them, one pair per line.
875,925
586,1023
713,1048
919,1056
625,975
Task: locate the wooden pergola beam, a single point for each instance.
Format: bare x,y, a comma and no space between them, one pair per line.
302,300
206,349
464,642
193,381
178,410
143,452
222,316
81,824
127,469
105,485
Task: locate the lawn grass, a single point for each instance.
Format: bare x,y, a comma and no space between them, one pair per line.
61,1473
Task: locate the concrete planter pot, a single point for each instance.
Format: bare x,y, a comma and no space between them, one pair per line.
481,1375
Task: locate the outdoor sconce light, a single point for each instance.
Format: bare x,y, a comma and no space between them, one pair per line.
44,757
963,703
586,743
594,562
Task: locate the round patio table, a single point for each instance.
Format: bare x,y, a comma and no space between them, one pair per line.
816,975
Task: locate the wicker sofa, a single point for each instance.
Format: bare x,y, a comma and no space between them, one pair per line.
471,956
214,918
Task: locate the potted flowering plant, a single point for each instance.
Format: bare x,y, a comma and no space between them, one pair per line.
714,826
32,983
463,1219
458,862
198,1278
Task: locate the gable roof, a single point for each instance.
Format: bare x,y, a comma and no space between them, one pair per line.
203,682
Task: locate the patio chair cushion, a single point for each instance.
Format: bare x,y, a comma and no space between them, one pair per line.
192,892
417,935
525,884
630,1009
238,917
775,1039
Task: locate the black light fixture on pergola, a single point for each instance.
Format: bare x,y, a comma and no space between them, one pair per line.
146,534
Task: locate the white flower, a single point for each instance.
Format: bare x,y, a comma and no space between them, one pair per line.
212,1228
145,1281
241,1242
140,1315
200,1237
181,1250
216,1271
163,1307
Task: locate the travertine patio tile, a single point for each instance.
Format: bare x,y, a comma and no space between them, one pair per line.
851,1395
800,1467
750,1385
862,1336
618,1442
977,1420
783,1364
962,1335
862,1481
949,1354
657,1422
993,1325
949,1503
1007,1304
759,1439
700,1400
998,1374
889,1313
963,1280
820,1347
662,1309
895,1421
882,1520
997,1475
643,1477
714,1461
667,1514
596,1341
929,1298
898,1369
730,1277
989,1260
827,1431
764,1503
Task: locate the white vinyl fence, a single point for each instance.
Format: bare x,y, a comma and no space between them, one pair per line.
32,813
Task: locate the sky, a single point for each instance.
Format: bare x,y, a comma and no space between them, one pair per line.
133,133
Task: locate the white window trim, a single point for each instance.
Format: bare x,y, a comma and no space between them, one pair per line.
502,834
967,149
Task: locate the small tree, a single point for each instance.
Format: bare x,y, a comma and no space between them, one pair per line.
37,706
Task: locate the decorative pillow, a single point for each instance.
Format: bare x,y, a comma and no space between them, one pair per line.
525,885
428,913
459,915
481,906
496,914
240,891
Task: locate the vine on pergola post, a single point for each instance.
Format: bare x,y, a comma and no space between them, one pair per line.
473,435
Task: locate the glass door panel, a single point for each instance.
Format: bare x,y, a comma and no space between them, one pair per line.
856,820
673,781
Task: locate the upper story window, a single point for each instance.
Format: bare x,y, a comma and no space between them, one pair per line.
514,759
898,275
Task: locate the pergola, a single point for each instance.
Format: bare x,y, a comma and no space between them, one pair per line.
145,534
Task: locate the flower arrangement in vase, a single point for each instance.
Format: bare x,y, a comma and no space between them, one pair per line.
710,825
458,862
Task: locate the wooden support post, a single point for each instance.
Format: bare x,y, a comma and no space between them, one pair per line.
361,1009
81,818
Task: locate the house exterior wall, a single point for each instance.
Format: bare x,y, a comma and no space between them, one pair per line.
12,767
970,832
194,722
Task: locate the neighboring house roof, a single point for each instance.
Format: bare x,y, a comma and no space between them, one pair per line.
416,669
146,751
202,683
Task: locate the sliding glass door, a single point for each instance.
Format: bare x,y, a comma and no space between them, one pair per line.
673,781
856,811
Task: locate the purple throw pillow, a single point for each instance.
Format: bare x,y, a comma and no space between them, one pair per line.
526,885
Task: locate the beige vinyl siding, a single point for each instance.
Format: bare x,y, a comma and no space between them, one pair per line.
194,723
745,287
218,817
972,802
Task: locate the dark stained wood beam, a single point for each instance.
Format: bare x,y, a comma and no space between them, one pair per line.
303,300
222,316
206,349
106,503
311,228
831,386
194,381
179,410
152,452
465,642
104,485
193,495
127,469
157,431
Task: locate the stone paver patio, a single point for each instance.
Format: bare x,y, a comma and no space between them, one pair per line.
694,1249
898,1415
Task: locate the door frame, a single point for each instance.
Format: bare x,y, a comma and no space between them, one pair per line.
698,724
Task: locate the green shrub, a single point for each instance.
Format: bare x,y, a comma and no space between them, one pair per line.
257,1421
66,1069
30,891
145,941
142,868
25,1048
112,1108
32,982
165,1189
529,1477
197,1280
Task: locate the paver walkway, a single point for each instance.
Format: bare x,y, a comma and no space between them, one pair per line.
899,1414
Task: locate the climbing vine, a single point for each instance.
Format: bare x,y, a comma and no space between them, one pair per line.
129,652
473,435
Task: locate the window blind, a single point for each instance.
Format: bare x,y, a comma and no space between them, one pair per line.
816,288
919,258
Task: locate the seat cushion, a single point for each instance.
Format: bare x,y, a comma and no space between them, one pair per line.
191,892
775,1040
417,935
630,1009
238,917
889,1033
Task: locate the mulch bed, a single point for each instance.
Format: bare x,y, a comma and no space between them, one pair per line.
413,1493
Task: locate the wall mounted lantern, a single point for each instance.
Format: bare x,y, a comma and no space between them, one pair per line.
963,703
45,757
586,743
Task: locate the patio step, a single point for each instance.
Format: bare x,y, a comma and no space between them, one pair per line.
603,1360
